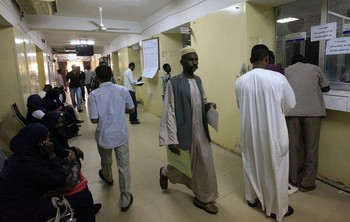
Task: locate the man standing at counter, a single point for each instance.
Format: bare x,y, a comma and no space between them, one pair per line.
304,121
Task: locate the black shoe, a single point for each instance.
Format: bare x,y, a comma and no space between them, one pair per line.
79,121
135,122
253,205
78,125
306,189
163,180
124,209
80,110
208,207
97,208
104,179
289,212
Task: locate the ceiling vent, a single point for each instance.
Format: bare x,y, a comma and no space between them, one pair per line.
38,7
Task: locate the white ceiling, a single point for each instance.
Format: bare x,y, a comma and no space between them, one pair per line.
75,18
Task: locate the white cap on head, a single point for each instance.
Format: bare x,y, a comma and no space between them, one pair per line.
187,50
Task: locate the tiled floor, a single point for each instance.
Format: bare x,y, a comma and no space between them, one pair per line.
325,204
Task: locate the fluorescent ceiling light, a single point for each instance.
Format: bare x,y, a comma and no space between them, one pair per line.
286,20
82,42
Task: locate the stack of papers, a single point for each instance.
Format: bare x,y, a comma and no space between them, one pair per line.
139,83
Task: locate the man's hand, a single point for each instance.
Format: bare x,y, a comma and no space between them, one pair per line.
174,148
209,105
212,105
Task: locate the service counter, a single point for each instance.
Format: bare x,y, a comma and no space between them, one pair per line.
337,100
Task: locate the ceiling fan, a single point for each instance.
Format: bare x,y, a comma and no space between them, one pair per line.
102,28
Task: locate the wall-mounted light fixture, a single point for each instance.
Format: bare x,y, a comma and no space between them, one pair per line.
286,20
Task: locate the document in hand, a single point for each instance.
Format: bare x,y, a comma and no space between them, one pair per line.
213,118
139,83
181,162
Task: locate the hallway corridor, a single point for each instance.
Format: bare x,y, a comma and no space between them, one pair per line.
325,204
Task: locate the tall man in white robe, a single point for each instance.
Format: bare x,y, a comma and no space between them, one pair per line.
184,127
264,97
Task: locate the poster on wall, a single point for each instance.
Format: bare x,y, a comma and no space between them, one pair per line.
338,46
324,32
150,57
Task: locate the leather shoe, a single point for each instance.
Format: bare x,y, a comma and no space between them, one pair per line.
104,179
124,209
306,189
80,110
289,212
253,205
163,180
135,122
208,207
97,208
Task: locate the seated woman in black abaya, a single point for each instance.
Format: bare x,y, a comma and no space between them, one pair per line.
30,173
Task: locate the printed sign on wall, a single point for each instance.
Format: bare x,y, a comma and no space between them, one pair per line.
323,32
295,37
150,57
338,46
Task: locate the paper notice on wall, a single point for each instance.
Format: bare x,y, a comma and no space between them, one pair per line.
346,28
324,32
295,37
150,57
338,46
149,72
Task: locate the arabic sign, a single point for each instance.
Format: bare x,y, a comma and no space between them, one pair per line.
338,46
326,31
294,37
346,28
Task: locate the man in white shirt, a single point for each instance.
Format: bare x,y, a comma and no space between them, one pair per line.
59,79
107,106
88,76
129,83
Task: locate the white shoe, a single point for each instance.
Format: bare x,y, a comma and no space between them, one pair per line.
292,189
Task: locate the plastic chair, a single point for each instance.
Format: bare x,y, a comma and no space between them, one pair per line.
3,157
18,114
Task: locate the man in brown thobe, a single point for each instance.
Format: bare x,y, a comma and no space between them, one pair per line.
184,127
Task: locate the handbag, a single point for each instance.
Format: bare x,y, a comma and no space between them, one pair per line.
67,215
72,167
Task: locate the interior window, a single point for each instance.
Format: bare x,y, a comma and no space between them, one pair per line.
338,66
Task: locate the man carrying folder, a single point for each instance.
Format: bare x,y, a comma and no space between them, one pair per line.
184,129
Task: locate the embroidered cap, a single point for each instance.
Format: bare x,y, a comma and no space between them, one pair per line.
187,50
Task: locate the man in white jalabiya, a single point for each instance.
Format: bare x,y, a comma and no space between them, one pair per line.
184,127
264,97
